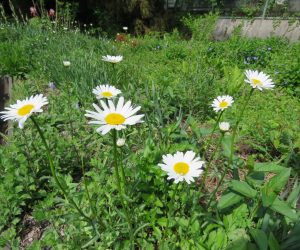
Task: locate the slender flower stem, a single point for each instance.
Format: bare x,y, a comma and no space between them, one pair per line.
118,180
235,129
232,146
214,128
87,190
217,188
207,145
207,167
123,176
53,171
171,210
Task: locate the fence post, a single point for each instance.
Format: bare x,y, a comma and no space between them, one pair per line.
5,93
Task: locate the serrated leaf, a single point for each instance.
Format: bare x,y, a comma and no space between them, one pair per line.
243,188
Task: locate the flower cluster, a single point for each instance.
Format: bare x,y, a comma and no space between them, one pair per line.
118,115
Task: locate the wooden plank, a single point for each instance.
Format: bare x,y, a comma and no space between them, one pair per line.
5,94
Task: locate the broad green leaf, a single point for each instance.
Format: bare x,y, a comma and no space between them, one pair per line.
268,197
279,181
255,179
268,167
243,188
228,200
273,243
260,238
240,244
283,208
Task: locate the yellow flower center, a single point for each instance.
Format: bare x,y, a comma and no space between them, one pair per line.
107,94
223,104
25,110
181,168
114,119
256,82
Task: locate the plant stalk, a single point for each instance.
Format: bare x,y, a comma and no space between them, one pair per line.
118,180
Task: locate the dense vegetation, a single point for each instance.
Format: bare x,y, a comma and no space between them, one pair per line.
174,80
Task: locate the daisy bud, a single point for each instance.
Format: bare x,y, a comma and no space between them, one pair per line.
224,126
66,63
121,142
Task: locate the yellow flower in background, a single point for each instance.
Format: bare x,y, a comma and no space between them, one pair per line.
106,91
259,80
22,110
182,167
114,117
222,102
112,59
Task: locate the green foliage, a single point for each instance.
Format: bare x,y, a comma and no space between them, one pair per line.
175,81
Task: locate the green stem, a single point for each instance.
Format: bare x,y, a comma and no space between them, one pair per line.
254,211
214,128
118,180
232,147
53,171
87,190
217,188
236,126
207,168
171,210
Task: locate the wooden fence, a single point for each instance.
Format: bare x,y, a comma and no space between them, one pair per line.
5,93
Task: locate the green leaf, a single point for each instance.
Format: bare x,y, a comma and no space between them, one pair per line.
243,188
267,197
226,145
228,200
273,243
240,244
279,181
157,232
268,167
255,179
294,195
283,208
162,221
260,238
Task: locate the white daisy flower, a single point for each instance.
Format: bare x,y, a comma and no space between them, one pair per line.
224,126
24,109
222,102
125,28
114,117
66,63
182,167
112,59
259,80
106,91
